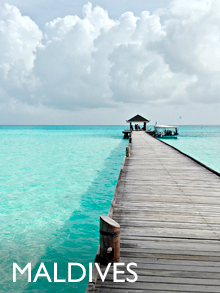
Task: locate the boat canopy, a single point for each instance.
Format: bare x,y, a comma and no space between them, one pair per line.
165,126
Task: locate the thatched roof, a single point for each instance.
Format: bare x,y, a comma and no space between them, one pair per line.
138,118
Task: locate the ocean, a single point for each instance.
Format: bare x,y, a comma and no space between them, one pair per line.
200,142
55,183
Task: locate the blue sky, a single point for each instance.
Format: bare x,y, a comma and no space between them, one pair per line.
102,62
42,11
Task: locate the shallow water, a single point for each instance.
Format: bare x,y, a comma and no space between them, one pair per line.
55,182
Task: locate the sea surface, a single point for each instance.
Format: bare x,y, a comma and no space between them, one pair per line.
55,182
200,142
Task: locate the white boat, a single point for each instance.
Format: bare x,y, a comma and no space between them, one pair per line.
166,131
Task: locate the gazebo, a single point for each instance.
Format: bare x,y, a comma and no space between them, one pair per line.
138,119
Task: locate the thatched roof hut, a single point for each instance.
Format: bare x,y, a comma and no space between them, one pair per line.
138,119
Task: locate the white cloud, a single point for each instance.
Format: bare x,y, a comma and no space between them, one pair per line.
94,61
19,37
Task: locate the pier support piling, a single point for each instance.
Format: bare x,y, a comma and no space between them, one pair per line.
109,240
128,151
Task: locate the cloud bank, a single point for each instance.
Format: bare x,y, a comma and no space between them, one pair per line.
95,62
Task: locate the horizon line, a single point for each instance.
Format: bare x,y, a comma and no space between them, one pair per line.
101,124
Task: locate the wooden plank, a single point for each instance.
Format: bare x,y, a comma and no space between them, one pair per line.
156,287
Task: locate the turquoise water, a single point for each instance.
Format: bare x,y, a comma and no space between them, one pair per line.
55,181
201,142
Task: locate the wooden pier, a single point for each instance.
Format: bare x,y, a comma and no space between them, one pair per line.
168,207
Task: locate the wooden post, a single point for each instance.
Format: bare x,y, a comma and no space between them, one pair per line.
109,240
128,152
130,139
145,126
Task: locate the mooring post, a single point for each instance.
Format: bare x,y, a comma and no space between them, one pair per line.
109,240
128,151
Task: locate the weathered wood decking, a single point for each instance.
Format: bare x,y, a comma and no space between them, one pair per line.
168,207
